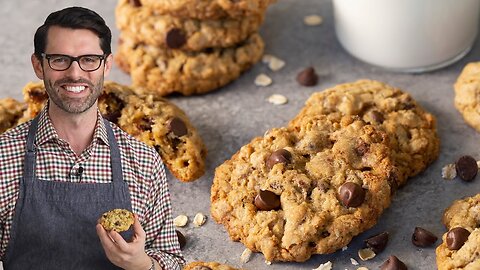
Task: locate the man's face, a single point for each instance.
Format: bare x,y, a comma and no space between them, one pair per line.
72,90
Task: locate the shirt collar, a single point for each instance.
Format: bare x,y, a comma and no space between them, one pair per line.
46,131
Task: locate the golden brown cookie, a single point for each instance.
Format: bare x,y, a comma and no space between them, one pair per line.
11,110
118,220
206,9
153,120
467,94
166,71
143,25
305,189
412,131
461,244
208,266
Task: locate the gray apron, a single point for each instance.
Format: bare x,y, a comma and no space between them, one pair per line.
54,222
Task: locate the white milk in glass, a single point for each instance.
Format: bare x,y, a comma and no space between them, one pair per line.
407,35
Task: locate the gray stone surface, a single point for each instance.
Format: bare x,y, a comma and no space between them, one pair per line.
232,116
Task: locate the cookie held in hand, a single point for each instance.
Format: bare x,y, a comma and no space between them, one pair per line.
118,220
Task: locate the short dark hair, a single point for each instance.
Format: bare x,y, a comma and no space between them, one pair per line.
75,18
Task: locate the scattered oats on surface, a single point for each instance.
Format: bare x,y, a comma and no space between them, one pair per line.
366,254
276,64
199,219
362,268
449,172
312,20
344,248
263,80
324,266
266,58
268,262
180,221
277,99
353,261
246,254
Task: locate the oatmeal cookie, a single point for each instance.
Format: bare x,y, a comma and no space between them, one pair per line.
461,244
412,131
208,266
144,25
153,120
118,220
207,9
11,110
166,71
305,189
467,94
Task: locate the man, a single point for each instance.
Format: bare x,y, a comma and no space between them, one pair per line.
62,170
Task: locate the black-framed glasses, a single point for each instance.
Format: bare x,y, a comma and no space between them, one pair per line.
61,62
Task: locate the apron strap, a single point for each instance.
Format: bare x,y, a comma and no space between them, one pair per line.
115,159
30,154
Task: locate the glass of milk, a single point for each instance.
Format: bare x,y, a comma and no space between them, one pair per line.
407,35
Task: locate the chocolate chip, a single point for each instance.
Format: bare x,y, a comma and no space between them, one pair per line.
135,3
423,238
181,239
377,116
177,126
377,242
279,156
112,116
351,194
267,200
466,167
307,77
456,237
393,263
362,148
146,123
175,38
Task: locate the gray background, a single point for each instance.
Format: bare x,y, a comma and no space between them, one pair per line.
232,116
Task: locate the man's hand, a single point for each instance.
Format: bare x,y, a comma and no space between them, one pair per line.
127,255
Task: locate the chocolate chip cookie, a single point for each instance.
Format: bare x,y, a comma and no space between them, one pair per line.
208,266
412,131
118,220
305,189
143,24
165,71
11,110
461,244
210,9
467,94
151,119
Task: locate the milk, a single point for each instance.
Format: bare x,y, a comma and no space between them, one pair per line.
407,35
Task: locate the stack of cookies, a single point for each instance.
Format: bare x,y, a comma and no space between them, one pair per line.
310,187
188,46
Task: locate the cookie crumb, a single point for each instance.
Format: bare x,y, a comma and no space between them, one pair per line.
180,221
246,254
199,219
449,172
344,248
263,80
353,261
268,262
312,20
366,254
362,268
277,99
324,266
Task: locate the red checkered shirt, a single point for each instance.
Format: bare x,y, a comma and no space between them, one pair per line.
143,170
